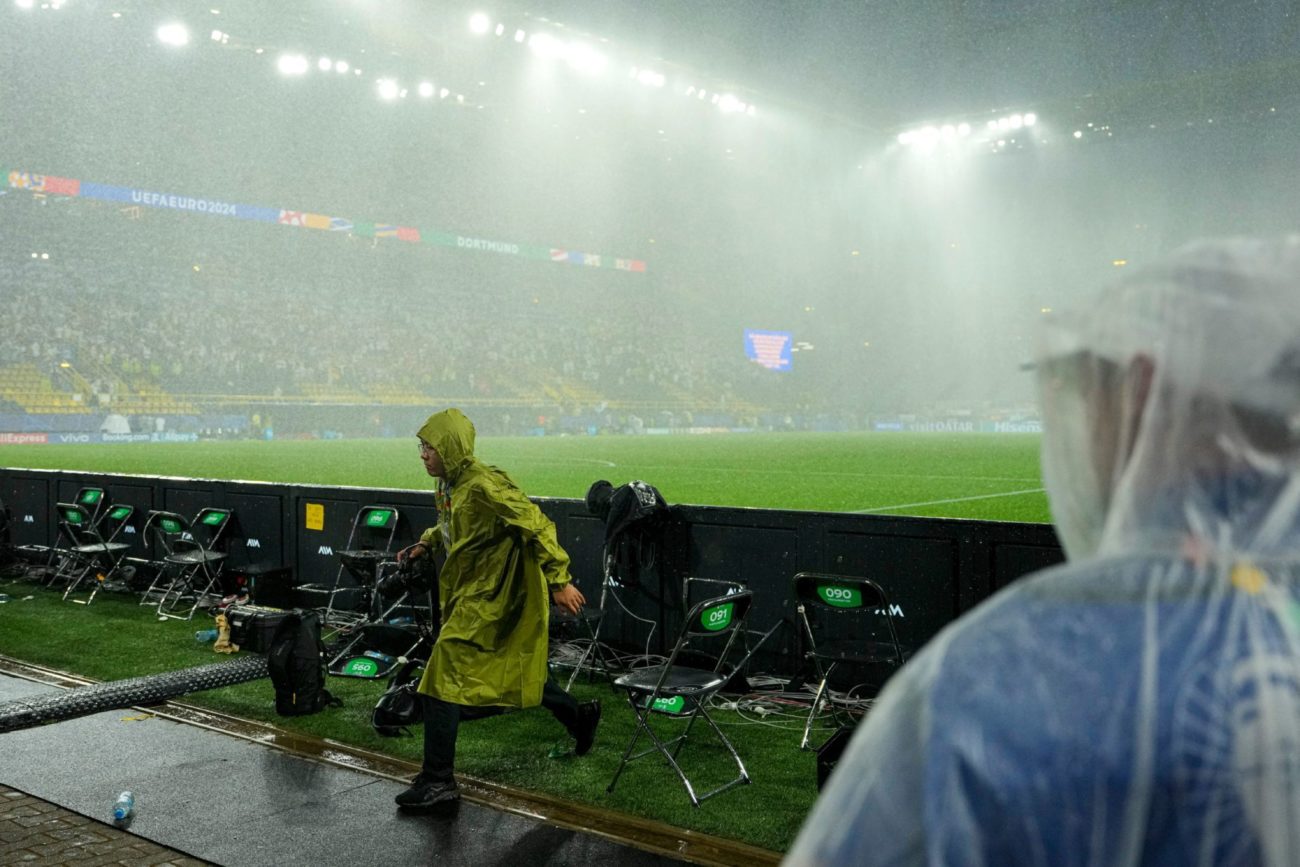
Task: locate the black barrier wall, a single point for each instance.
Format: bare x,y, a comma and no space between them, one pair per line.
933,570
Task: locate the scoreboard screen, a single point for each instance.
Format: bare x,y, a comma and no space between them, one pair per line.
771,349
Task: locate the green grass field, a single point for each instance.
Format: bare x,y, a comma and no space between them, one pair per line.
992,477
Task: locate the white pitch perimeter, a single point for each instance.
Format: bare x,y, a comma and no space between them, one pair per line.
950,500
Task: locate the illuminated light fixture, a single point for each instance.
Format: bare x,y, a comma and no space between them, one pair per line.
1015,121
585,59
356,72
1004,123
728,104
545,45
1119,263
1078,133
388,88
291,64
690,90
963,129
444,93
948,131
479,23
520,36
632,71
992,125
426,89
402,94
216,35
24,4
749,110
324,64
117,14
1030,118
700,94
340,66
177,35
460,98
715,98
501,28
45,255
650,78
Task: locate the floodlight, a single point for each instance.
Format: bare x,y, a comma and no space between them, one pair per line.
501,28
1030,118
460,98
650,78
700,94
1078,133
1016,121
948,131
520,35
173,34
340,66
292,64
23,4
729,103
993,124
216,35
1004,123
905,138
749,110
426,89
324,64
545,45
442,94
388,88
479,23
690,90
586,59
963,129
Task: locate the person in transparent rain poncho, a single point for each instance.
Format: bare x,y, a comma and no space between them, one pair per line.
1139,704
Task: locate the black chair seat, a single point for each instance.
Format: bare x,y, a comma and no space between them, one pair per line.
680,680
189,558
101,547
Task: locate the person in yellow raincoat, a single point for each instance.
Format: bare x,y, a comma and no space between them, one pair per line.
504,567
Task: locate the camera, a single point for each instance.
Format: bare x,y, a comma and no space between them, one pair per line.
411,576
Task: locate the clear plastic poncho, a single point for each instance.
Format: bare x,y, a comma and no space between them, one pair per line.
1139,704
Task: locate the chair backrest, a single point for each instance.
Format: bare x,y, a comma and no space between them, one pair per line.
839,592
115,520
375,526
94,500
212,527
170,530
839,596
714,618
77,522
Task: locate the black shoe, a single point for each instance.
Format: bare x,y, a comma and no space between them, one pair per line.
585,730
426,792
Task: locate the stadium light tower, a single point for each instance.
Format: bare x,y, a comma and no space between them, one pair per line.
177,35
292,64
479,23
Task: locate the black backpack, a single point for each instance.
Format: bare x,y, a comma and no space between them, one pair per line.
297,666
400,705
635,517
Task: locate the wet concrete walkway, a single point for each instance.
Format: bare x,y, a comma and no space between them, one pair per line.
234,802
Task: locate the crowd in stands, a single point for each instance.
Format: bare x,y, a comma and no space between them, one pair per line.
201,307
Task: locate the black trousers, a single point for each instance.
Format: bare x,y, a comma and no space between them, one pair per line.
442,721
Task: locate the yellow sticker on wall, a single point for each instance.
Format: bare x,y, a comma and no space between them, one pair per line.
315,516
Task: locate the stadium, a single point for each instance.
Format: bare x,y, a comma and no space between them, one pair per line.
788,264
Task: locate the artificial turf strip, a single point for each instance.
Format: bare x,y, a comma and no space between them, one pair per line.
991,477
115,638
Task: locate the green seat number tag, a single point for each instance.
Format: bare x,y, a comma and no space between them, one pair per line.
840,597
170,526
119,513
72,516
669,705
378,518
91,497
718,617
361,667
213,519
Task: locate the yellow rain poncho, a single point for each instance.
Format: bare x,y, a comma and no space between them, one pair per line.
502,563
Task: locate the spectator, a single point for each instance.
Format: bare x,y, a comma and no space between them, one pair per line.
1141,703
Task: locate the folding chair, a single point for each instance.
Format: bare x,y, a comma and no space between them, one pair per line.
591,620
853,600
370,542
97,554
64,562
676,690
193,554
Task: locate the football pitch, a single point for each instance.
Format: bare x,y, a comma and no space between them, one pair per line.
991,477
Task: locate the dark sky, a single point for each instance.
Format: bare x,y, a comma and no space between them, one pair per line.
884,63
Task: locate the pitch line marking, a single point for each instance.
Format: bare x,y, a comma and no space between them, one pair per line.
950,500
835,473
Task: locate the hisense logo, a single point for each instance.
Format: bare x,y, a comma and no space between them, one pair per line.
326,550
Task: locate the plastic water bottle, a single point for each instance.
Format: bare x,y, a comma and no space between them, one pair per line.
205,635
124,809
382,657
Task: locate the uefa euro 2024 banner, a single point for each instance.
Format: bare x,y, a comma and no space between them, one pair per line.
53,185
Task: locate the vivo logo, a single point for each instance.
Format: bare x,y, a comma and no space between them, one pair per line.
326,550
74,438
